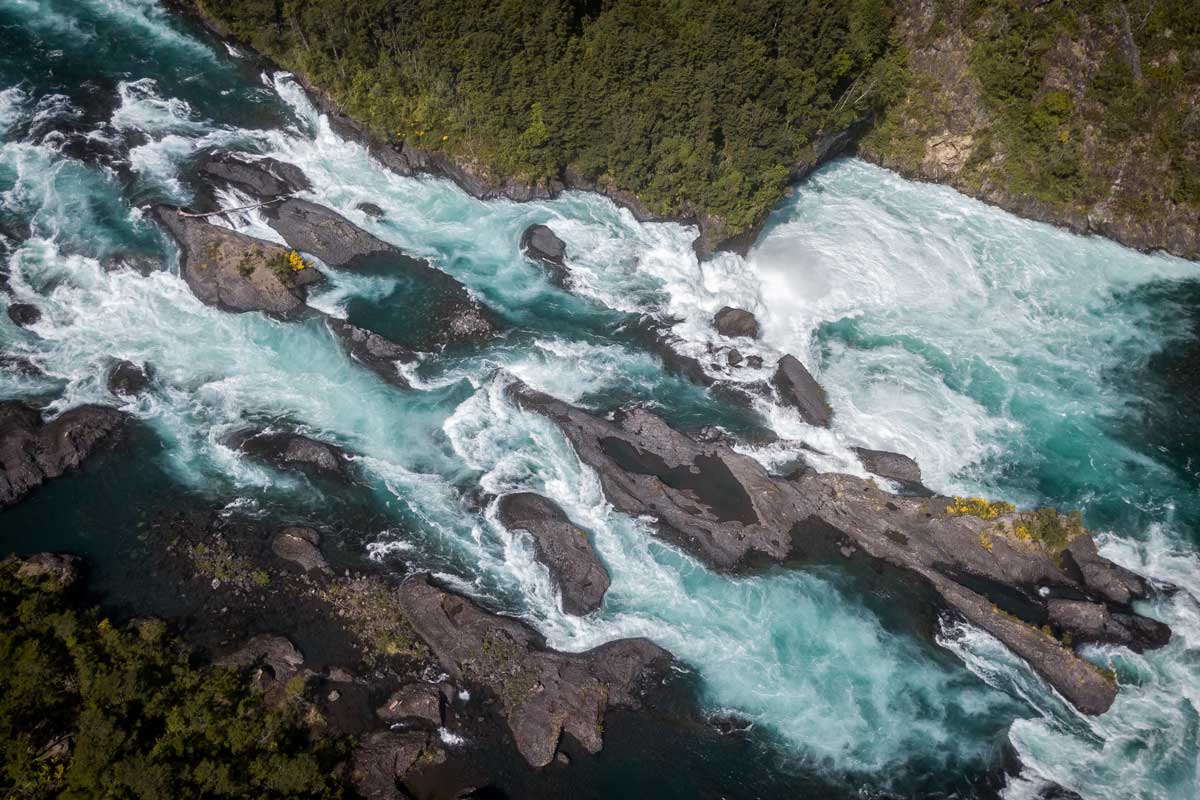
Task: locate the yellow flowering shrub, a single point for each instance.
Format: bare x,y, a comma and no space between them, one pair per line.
295,261
978,507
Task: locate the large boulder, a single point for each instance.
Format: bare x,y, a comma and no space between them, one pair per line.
565,549
384,758
541,693
329,236
270,659
127,379
292,451
893,466
24,314
798,388
373,351
1003,570
33,452
416,704
540,244
262,178
236,272
736,322
300,546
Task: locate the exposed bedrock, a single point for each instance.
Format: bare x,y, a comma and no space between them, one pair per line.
565,549
798,388
236,272
291,451
727,509
542,693
373,351
893,466
540,244
33,452
262,178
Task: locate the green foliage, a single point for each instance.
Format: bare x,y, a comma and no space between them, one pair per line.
697,106
1049,528
91,711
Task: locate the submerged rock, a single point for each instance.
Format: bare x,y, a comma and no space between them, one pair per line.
725,508
565,549
127,379
33,452
797,388
373,351
736,322
299,545
24,314
541,244
370,209
236,272
541,693
291,451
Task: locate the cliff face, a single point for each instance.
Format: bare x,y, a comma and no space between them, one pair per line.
1085,114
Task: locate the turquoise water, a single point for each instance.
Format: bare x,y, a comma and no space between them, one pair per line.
1009,358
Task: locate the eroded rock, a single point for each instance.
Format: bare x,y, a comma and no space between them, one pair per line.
893,466
262,178
798,388
373,351
33,452
236,272
24,314
291,451
417,703
127,379
299,545
61,568
539,243
541,692
564,548
384,758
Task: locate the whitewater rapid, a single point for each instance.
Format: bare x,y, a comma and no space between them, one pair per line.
976,342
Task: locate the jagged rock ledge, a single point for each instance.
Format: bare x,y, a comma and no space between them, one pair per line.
728,510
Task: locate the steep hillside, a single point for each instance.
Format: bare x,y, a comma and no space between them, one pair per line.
1083,113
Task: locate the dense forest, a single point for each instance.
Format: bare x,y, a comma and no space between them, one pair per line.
1064,110
698,107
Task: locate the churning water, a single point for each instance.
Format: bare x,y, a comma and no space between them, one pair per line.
1009,358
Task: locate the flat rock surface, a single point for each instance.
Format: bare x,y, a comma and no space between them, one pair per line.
233,271
565,549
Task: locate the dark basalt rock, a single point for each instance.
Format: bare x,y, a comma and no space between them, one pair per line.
18,364
33,452
370,209
797,388
893,466
24,314
272,659
565,549
299,545
326,234
127,379
540,244
291,451
725,508
384,758
736,322
417,703
541,693
264,178
233,271
372,350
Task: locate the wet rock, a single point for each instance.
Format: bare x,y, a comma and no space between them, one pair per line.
736,322
384,758
565,549
373,351
291,451
24,314
895,467
33,452
60,568
540,244
541,693
726,509
370,209
19,365
754,362
299,545
329,236
418,703
733,358
263,178
127,379
797,388
236,272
